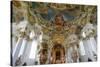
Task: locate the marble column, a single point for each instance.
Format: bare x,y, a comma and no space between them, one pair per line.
17,50
88,50
93,45
69,59
26,51
82,53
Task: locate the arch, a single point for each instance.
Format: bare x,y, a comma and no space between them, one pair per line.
57,54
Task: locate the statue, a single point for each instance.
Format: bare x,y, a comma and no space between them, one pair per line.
72,52
89,42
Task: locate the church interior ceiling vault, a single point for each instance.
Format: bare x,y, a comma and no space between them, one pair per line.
60,25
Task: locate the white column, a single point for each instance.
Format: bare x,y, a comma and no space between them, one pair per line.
33,49
22,47
13,42
89,52
83,56
26,52
17,50
81,48
23,51
69,59
93,45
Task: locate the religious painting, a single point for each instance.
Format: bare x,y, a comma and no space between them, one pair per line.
52,33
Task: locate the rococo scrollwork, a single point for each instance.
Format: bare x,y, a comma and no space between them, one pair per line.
53,33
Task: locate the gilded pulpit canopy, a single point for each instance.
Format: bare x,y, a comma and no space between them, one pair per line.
59,38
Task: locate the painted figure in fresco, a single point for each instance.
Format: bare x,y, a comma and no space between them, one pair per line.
59,22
